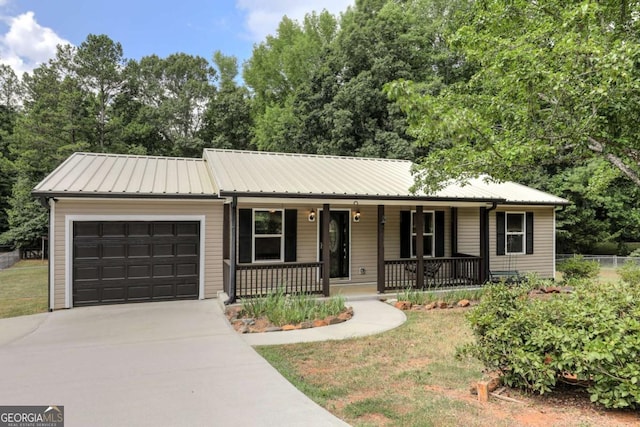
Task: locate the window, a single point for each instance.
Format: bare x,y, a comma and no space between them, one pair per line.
428,240
515,233
267,235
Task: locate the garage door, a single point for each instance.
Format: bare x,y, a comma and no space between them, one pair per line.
120,262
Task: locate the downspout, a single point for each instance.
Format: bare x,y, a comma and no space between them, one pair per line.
233,254
487,263
45,202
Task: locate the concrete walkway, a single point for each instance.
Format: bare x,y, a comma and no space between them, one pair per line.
153,364
370,316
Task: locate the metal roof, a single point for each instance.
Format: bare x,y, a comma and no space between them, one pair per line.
263,174
91,174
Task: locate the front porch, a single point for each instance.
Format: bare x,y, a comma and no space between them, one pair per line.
254,280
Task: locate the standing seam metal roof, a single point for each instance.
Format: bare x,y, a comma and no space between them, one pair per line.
89,174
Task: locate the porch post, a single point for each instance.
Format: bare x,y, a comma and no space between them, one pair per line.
419,224
233,252
484,245
326,254
381,269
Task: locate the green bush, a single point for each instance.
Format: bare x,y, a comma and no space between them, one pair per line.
282,309
593,333
630,272
579,268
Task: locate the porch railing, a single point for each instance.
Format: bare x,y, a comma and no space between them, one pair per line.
254,280
438,273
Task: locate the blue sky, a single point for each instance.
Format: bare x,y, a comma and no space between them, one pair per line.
31,29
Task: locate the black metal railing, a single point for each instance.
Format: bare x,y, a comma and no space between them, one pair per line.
437,273
254,280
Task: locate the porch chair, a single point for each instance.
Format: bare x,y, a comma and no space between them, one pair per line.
430,271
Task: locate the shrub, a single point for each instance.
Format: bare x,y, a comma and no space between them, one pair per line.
282,309
630,272
593,334
579,268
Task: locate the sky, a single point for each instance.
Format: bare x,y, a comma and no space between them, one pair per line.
30,30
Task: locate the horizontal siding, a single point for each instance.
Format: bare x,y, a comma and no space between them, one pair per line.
542,259
469,231
212,210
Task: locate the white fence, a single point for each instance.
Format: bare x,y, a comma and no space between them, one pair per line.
9,258
605,261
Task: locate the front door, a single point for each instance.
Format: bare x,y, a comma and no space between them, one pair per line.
338,243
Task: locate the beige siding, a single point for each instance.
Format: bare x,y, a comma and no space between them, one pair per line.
469,231
542,259
364,240
212,210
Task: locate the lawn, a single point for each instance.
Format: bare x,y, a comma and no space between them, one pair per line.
23,288
410,377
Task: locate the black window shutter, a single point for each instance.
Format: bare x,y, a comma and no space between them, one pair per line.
500,233
439,230
529,216
405,234
290,234
245,243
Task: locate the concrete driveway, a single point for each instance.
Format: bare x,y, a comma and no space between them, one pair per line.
152,364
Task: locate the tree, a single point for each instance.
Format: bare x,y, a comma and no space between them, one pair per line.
11,91
28,220
227,121
553,79
98,64
175,92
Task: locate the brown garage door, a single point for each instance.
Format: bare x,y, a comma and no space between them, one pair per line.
119,262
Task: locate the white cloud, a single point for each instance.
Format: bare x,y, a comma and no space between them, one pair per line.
263,17
27,44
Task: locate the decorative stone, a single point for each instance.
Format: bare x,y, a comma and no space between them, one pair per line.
403,305
442,304
318,323
350,310
464,303
273,329
306,325
249,321
344,316
288,328
551,290
431,306
333,320
243,329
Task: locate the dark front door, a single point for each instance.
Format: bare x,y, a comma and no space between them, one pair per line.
338,242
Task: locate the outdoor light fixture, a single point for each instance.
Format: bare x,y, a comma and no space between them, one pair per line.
383,220
356,215
312,215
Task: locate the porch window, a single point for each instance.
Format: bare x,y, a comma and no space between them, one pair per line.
268,242
515,233
428,240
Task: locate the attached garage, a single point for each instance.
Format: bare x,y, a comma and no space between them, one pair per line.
136,261
129,229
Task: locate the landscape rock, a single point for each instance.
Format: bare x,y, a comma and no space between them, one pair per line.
318,323
551,290
431,306
464,303
288,327
333,320
306,325
403,305
344,316
442,304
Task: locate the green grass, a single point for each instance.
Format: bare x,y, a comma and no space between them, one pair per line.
408,376
23,289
